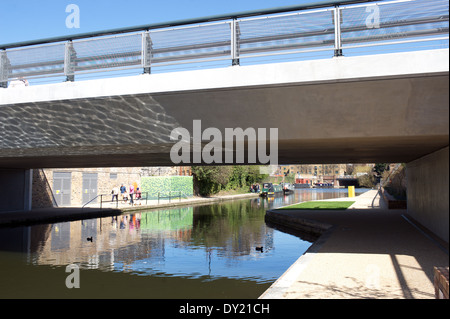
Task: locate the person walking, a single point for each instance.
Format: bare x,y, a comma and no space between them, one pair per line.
123,193
115,194
138,196
131,193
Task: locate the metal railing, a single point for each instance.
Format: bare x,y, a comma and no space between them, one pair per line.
172,195
112,201
333,26
108,198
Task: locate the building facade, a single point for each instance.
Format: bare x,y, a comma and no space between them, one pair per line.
323,173
78,186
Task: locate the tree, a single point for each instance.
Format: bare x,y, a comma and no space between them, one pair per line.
349,169
367,180
379,168
212,179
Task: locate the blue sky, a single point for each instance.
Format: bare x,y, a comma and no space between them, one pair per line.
31,19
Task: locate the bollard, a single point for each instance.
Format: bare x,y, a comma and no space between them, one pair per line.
351,191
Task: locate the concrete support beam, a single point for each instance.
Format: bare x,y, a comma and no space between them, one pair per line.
428,192
15,189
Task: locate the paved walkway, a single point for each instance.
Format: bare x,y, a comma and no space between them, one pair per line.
367,251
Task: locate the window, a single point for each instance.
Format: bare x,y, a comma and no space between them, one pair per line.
112,175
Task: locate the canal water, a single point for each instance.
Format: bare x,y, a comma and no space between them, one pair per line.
206,251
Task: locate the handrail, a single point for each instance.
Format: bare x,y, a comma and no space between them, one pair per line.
170,195
178,194
101,196
152,26
337,27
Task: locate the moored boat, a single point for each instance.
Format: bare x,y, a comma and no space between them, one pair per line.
287,188
269,189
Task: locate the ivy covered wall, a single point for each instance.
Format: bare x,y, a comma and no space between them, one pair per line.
167,185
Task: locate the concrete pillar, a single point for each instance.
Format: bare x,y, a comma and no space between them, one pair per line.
428,191
15,189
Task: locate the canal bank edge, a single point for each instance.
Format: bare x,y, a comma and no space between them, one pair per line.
321,231
67,214
189,202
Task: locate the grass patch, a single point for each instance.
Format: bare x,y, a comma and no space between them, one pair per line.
321,205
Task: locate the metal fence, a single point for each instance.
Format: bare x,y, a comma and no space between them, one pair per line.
337,29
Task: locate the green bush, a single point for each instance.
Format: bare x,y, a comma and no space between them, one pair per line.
212,179
367,181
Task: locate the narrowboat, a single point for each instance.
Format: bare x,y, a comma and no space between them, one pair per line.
270,189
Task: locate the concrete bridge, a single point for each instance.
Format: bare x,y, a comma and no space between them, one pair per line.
373,108
390,107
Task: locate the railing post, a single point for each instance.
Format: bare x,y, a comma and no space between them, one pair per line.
146,198
101,201
337,32
4,69
234,42
69,62
146,56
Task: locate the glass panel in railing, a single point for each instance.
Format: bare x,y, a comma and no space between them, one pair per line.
122,51
36,61
305,30
195,43
394,22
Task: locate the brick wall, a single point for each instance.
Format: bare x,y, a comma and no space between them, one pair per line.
42,196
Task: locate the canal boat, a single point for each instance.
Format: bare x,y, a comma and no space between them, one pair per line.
287,188
304,185
270,189
323,185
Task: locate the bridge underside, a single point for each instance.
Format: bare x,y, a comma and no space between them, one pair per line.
346,150
367,121
346,110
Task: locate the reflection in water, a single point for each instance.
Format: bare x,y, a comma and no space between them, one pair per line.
208,249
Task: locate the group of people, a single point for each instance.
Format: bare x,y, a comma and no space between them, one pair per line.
128,195
255,188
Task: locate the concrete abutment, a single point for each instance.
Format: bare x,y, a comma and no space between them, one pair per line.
15,189
428,192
